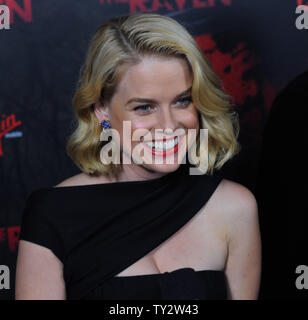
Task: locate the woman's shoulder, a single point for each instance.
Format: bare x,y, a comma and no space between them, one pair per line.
63,196
76,180
51,194
232,207
231,198
236,203
234,194
82,179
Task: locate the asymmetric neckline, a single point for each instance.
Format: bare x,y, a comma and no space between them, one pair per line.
168,272
98,230
183,283
182,169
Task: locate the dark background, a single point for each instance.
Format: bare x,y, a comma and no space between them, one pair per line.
253,45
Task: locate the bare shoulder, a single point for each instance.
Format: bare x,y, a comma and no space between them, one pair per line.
237,206
81,179
240,218
230,203
235,197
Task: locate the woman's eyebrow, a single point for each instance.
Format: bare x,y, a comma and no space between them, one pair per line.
145,100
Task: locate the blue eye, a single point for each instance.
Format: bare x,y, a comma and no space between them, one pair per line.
186,100
143,109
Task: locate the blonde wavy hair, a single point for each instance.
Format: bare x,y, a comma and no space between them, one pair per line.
124,41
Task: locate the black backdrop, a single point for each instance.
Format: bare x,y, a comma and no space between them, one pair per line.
253,45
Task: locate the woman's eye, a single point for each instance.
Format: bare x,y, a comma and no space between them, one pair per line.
143,109
185,101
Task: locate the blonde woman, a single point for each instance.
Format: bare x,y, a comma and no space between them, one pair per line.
127,227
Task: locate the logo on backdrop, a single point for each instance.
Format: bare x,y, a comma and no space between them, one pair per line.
4,17
154,6
301,21
7,124
20,8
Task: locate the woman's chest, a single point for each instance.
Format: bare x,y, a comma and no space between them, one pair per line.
200,244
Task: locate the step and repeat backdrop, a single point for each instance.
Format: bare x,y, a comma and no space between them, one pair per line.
256,46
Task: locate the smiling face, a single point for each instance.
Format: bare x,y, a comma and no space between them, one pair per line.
155,96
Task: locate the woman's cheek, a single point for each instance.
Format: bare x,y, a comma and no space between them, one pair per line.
140,129
190,120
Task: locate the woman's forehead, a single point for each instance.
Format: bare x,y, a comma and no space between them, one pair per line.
151,78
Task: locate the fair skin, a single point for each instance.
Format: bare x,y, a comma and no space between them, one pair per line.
223,235
149,79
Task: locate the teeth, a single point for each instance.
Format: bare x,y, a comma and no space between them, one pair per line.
161,146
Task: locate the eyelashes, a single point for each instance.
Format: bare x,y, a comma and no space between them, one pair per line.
147,107
186,99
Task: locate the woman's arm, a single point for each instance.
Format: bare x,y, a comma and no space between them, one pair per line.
39,274
243,266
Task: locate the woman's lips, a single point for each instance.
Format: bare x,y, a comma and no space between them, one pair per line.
164,139
167,152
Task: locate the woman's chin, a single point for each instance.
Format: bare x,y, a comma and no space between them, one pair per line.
164,164
163,168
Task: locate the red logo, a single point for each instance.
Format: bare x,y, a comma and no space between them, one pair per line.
177,5
7,124
24,11
302,2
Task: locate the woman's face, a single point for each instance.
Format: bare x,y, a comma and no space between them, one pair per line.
154,96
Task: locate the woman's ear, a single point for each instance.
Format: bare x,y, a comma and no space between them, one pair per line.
101,111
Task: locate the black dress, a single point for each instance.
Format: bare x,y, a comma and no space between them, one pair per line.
99,230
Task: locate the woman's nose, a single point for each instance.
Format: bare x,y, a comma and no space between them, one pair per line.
167,120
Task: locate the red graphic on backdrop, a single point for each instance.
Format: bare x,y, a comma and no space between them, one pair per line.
11,234
302,2
7,124
155,5
230,67
24,11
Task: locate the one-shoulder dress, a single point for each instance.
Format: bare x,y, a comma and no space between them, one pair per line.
99,230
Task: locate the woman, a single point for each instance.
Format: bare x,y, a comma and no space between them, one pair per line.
127,227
